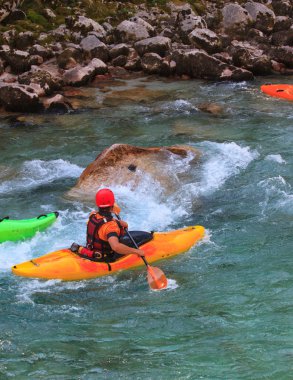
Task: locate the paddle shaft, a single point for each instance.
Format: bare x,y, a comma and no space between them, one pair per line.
156,278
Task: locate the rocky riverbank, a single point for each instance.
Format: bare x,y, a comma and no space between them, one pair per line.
216,41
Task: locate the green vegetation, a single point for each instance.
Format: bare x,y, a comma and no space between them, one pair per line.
98,10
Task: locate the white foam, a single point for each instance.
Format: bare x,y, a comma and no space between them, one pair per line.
172,284
37,172
276,157
278,195
179,105
33,286
222,162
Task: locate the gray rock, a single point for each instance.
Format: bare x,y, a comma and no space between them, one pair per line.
24,40
9,36
167,32
159,45
19,61
66,59
257,36
120,49
250,58
143,24
121,61
15,15
188,23
17,97
58,104
205,39
128,31
235,18
168,66
60,34
282,23
43,78
82,75
107,26
43,52
283,38
262,16
151,63
7,7
84,25
1,67
133,61
283,7
198,64
283,54
94,48
49,14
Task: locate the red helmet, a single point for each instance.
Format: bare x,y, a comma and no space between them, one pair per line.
105,198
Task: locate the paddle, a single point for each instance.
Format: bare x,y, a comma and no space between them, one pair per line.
156,277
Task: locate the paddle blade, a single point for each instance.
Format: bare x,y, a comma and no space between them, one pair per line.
156,278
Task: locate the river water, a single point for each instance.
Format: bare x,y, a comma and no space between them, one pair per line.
227,313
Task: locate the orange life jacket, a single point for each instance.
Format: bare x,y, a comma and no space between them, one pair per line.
94,242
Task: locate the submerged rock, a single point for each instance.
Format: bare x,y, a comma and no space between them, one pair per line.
137,94
122,164
212,108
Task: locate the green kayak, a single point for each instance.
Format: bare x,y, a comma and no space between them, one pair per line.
13,230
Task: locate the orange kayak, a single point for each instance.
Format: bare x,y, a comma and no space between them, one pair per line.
66,265
283,91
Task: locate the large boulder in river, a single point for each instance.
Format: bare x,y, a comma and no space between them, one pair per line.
129,165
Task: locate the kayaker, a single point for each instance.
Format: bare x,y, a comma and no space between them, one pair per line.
104,231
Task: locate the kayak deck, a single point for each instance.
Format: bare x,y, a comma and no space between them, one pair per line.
66,265
13,230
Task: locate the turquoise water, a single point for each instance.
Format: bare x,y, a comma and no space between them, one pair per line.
227,313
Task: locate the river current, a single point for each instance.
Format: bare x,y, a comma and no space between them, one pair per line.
227,312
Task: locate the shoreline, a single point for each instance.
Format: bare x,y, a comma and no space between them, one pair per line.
229,42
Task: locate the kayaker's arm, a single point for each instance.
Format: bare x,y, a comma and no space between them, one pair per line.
123,249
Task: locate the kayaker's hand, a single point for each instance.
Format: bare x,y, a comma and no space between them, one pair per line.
123,224
140,252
